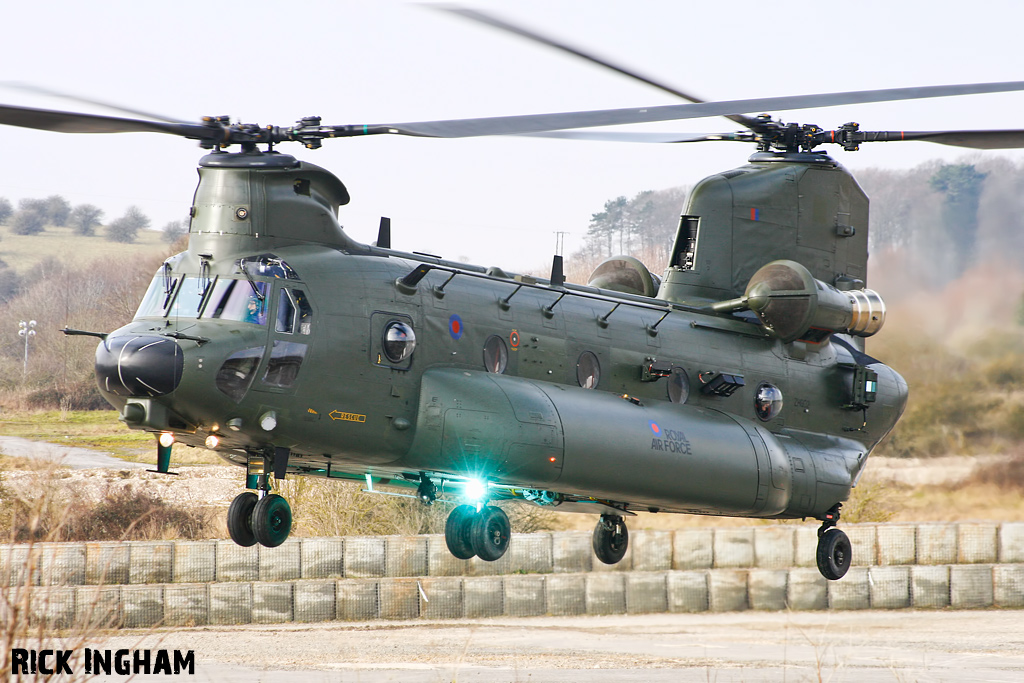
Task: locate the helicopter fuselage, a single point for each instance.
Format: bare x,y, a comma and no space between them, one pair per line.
563,394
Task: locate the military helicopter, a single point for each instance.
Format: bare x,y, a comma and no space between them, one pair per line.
736,384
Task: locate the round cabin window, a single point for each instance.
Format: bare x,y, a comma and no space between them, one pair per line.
495,355
588,370
678,385
767,401
399,341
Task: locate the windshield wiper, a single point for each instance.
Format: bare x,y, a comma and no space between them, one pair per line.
252,283
189,337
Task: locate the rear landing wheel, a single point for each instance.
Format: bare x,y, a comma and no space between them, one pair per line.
240,519
272,520
834,554
611,538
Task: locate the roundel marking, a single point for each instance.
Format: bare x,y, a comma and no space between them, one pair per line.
455,326
513,339
655,428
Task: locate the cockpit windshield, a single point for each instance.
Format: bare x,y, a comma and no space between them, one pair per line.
239,300
158,296
189,299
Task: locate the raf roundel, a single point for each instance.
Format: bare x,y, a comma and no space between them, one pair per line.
655,428
455,326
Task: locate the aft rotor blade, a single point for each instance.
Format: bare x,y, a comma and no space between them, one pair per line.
495,22
75,122
535,123
975,139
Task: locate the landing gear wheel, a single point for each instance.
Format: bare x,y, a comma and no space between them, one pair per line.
457,532
240,519
272,520
490,533
834,554
611,538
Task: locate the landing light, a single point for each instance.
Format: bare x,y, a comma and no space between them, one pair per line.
475,490
212,441
235,424
268,421
166,439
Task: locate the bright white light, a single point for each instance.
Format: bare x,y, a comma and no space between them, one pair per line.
268,421
166,439
475,490
212,442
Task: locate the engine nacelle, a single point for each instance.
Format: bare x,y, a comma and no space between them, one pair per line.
625,274
792,305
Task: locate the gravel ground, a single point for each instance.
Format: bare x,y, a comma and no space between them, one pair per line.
900,645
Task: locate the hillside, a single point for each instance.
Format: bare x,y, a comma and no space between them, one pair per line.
22,252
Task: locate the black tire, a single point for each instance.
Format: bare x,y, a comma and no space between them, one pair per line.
490,533
457,530
835,553
240,519
611,539
272,520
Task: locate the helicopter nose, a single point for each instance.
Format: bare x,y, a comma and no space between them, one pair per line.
139,365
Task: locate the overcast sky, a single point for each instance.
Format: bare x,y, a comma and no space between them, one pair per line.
497,201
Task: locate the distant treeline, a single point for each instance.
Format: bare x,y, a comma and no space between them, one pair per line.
33,216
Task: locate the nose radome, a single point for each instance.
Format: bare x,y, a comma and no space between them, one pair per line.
144,365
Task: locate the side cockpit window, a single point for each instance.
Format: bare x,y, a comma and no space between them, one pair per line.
238,371
294,314
283,368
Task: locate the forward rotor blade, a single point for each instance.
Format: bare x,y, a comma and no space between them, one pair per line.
39,90
495,22
74,122
974,139
642,136
535,123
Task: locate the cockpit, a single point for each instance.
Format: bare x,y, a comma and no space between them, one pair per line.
262,291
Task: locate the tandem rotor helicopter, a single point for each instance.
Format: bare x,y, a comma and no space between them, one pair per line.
735,384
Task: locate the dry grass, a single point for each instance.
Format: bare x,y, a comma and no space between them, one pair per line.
33,614
67,513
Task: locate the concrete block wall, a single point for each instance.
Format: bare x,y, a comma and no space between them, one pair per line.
593,593
766,547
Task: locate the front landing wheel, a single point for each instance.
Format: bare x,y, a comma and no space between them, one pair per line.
490,533
611,539
272,520
835,553
457,532
240,519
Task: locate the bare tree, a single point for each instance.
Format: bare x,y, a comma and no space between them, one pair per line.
58,210
173,231
85,218
30,219
126,228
